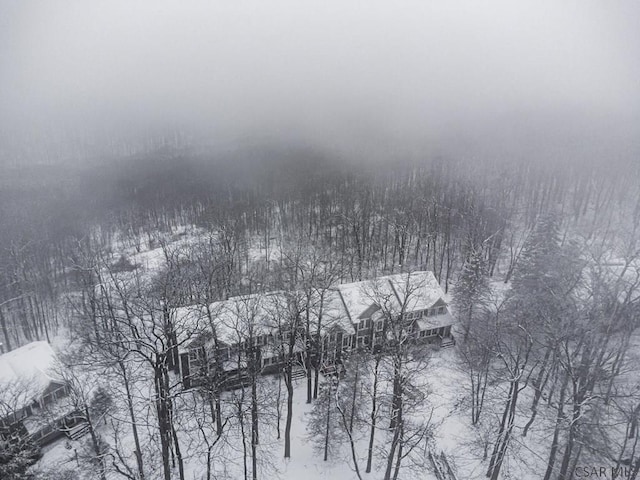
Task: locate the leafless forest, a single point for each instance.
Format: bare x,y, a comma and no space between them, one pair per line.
565,240
184,272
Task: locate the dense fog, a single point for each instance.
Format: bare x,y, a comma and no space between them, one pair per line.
353,240
380,79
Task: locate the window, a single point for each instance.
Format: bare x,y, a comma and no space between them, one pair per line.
441,310
60,393
346,341
379,325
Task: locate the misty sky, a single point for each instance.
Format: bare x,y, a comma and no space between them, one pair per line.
329,72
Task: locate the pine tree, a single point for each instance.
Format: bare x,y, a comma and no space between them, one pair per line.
541,270
471,291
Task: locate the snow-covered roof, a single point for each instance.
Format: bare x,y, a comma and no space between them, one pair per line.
343,306
333,313
435,321
237,314
35,361
233,317
413,291
26,372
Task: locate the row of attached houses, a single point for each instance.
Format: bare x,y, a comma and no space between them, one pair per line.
347,317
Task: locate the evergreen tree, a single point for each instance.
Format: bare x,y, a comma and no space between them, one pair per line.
544,271
471,291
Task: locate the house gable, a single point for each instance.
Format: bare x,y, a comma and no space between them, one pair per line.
369,312
439,303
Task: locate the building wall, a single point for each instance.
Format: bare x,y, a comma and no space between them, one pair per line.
368,333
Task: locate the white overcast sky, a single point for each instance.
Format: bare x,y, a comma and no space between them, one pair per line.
324,71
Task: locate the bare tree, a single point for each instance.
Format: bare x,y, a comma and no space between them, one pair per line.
287,318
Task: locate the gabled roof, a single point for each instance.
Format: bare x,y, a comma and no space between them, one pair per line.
408,291
439,303
35,361
417,290
373,308
334,314
343,306
435,321
26,372
233,317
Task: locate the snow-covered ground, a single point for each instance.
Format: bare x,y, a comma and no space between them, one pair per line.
447,402
453,435
445,383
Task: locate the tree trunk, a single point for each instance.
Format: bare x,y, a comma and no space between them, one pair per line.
163,427
278,407
568,450
134,423
396,402
287,429
244,438
556,431
399,456
176,444
506,426
254,425
374,413
538,384
392,451
5,332
326,433
308,354
95,444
